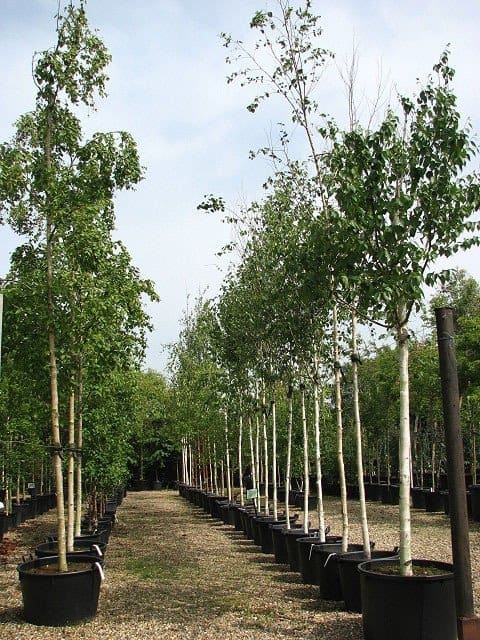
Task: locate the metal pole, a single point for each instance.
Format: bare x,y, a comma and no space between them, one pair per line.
468,625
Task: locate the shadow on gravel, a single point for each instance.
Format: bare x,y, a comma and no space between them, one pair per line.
13,614
311,600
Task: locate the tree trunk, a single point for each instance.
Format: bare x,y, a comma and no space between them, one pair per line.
54,413
288,470
358,438
318,454
240,457
306,470
78,468
265,447
71,470
252,458
404,453
338,413
274,458
215,476
227,450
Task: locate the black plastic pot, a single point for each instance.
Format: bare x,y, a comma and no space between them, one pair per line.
434,501
305,549
256,527
475,501
80,548
418,497
60,599
400,607
279,542
373,491
16,515
291,537
326,569
140,485
265,530
3,524
216,503
390,493
347,564
353,492
90,537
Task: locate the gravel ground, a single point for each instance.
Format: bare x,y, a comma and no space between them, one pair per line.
174,573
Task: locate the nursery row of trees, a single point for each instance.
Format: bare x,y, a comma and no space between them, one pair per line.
348,234
203,401
74,324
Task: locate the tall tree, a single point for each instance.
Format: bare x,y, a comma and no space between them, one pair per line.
55,187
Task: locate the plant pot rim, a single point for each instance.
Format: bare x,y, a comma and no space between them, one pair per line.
298,532
353,556
24,567
368,569
313,540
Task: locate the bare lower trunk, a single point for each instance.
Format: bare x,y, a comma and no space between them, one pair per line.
227,450
318,455
54,413
274,461
265,448
474,456
257,441
252,458
306,470
78,468
339,417
71,471
215,475
404,455
240,456
288,470
358,439
222,478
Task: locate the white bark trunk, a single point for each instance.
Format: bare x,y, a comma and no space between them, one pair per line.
404,453
227,450
339,417
288,470
358,439
71,471
78,467
306,477
265,448
318,454
274,459
240,456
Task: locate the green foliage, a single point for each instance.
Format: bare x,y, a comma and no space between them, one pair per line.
74,293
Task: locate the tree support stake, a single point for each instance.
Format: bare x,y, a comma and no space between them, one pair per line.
468,624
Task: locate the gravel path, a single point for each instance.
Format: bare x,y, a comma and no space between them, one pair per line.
174,573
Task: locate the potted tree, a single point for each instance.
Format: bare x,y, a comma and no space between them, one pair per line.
403,186
57,191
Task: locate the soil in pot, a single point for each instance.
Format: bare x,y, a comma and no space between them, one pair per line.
399,607
350,577
59,599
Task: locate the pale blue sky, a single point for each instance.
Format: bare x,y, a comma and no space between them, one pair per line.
168,89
